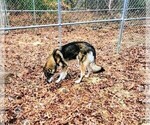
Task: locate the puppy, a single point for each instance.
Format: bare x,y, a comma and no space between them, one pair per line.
82,51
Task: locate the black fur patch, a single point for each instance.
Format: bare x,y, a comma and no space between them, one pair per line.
71,50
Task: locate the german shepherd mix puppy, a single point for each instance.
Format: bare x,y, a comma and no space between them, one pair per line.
82,51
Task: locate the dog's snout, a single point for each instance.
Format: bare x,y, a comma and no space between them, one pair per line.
47,81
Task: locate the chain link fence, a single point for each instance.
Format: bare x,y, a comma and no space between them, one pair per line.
45,12
24,14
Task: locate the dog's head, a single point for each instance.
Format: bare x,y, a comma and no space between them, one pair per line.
50,68
51,64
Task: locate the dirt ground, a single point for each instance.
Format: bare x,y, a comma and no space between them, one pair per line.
112,97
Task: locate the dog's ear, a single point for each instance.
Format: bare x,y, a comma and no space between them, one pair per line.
58,53
60,57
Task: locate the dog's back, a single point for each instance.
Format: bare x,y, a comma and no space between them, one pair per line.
71,50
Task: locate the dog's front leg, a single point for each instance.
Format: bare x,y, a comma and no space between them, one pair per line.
62,75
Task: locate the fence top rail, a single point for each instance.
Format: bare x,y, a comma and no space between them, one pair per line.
73,10
73,23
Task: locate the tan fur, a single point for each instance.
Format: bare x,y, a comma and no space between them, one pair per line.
50,63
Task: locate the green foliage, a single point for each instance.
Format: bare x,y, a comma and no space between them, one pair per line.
28,4
19,4
137,3
52,4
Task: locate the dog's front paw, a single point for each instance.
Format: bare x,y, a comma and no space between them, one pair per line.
87,75
57,81
50,80
78,81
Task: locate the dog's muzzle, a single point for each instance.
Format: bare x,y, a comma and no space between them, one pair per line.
49,76
50,80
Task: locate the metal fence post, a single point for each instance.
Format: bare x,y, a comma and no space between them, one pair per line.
59,24
147,55
6,15
125,6
2,69
97,6
34,13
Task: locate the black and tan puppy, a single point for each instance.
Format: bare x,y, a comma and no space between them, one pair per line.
82,51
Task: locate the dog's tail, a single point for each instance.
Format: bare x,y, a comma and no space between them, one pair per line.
95,68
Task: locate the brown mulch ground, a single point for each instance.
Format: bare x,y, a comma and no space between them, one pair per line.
109,98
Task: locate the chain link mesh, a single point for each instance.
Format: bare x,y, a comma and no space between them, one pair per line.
42,12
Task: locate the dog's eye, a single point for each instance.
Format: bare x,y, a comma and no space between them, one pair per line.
49,70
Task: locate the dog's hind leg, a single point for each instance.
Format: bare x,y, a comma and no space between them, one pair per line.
89,70
83,70
62,75
89,60
84,60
